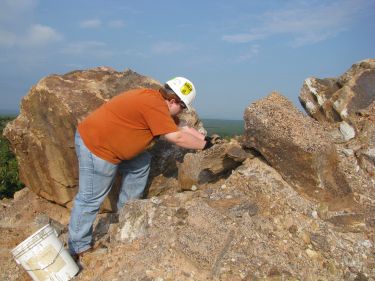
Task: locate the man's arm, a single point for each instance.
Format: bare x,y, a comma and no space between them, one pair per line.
192,131
186,139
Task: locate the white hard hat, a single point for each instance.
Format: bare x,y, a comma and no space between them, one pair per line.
184,89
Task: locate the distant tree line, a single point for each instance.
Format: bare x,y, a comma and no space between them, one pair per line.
9,180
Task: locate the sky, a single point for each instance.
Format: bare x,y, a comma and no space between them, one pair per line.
235,52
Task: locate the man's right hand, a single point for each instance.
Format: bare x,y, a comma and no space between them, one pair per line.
208,143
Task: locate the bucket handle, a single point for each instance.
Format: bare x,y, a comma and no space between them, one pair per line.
52,262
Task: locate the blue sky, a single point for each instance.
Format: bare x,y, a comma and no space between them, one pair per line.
235,52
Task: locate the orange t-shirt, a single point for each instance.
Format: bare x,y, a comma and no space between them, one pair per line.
124,126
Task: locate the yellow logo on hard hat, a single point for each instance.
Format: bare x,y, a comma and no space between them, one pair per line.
186,88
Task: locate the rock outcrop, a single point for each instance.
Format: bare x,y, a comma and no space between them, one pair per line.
296,146
293,199
251,226
209,165
42,136
348,102
338,99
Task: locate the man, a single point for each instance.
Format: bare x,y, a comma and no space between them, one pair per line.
114,138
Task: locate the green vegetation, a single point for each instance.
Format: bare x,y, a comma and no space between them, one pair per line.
9,181
224,128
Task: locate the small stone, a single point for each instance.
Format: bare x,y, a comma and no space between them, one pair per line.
323,211
20,193
320,242
314,214
293,229
249,208
330,266
182,213
361,277
155,200
347,131
348,152
194,187
365,243
243,275
312,254
306,237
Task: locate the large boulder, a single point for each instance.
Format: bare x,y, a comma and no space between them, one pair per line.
348,104
42,136
211,164
296,146
338,99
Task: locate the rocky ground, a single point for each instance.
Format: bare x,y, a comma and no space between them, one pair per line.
292,199
19,218
249,226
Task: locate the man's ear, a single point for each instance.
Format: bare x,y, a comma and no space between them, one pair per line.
169,103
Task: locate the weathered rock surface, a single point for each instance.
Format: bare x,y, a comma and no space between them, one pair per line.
167,158
296,146
250,226
42,136
302,209
209,165
338,99
348,102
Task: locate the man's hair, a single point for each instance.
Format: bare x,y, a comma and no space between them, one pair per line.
168,93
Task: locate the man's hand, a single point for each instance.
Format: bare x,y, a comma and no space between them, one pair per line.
214,139
208,143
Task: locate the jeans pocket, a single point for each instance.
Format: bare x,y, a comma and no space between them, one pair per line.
103,167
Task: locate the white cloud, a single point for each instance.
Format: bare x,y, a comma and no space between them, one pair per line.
93,23
243,37
167,47
36,36
90,48
15,9
39,35
306,23
253,51
17,28
116,24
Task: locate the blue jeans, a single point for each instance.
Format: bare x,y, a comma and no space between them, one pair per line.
96,177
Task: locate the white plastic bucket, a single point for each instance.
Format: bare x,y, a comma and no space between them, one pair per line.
44,257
